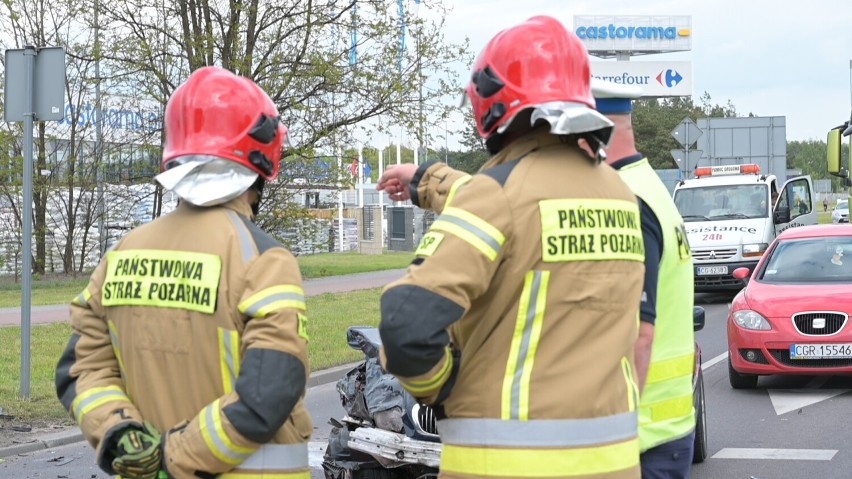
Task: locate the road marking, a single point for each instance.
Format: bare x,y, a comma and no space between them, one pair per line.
786,400
791,454
710,362
316,450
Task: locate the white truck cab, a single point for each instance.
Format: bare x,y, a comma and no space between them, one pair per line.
731,215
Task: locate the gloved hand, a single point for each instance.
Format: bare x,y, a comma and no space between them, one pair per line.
138,453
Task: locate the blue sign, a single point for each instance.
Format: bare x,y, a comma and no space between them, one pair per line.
621,32
120,119
669,78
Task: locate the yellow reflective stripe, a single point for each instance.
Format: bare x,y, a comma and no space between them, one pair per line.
454,189
525,339
423,385
535,337
669,408
266,475
248,249
472,229
82,299
671,368
632,387
217,439
551,462
229,357
96,397
271,299
116,348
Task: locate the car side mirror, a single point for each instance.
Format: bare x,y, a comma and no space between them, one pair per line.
741,273
782,215
697,318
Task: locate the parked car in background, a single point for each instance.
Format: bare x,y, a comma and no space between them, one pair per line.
792,317
841,212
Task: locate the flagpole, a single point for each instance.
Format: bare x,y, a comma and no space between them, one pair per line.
360,177
381,228
339,208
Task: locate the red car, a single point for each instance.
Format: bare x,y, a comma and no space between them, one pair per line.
791,318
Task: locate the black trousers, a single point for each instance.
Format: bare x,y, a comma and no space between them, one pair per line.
672,460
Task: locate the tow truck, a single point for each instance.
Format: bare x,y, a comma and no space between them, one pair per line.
731,215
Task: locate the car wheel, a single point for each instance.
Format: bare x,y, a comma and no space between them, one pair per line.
700,452
740,381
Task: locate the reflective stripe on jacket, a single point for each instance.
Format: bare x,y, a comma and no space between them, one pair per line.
195,322
667,410
521,311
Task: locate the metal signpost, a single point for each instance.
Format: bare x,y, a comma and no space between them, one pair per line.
686,133
34,91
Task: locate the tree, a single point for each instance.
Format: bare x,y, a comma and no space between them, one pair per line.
299,51
54,23
655,118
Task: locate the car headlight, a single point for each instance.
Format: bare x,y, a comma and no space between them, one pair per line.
756,249
749,319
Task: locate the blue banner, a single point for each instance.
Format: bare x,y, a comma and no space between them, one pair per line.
401,33
353,47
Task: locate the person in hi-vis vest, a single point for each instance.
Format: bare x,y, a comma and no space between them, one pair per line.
666,336
518,316
188,353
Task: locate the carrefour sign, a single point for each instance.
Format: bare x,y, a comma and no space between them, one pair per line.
655,78
634,33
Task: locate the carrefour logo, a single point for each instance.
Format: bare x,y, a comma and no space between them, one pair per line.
620,32
669,78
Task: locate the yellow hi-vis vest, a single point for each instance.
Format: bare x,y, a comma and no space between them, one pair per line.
666,410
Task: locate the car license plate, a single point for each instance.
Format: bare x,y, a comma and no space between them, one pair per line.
712,270
820,351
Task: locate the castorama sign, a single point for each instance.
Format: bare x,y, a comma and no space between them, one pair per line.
655,78
634,33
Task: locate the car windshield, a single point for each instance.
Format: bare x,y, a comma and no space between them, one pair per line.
723,202
810,260
843,205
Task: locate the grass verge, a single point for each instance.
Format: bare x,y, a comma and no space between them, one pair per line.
60,291
334,264
328,317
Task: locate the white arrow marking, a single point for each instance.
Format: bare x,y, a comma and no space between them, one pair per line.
718,359
786,400
792,454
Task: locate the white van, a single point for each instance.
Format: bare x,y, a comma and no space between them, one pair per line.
732,213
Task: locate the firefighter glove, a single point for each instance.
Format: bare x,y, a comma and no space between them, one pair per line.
138,453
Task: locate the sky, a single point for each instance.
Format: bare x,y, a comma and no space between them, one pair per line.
786,58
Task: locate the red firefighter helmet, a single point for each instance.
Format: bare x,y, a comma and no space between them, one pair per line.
536,62
216,113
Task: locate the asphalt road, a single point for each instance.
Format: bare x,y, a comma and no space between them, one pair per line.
790,428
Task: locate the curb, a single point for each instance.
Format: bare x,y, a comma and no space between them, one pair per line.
49,441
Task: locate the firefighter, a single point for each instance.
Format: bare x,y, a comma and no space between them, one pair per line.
188,352
666,336
518,316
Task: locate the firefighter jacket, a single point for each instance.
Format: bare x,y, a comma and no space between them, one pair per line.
666,411
195,322
519,315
